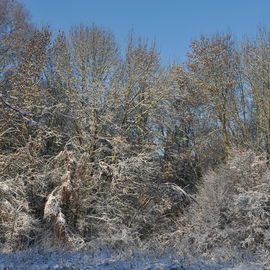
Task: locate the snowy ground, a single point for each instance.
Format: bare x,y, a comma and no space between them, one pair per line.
105,260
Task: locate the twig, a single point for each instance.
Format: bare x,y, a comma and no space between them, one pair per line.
14,108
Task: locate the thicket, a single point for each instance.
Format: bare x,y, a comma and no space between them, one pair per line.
98,145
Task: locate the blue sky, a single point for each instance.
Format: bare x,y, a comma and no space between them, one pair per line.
172,23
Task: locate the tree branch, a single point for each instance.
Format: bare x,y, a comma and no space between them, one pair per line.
14,108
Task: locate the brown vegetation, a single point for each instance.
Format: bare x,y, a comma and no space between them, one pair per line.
96,145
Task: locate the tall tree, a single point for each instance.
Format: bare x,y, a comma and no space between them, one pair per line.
212,61
82,66
256,58
15,30
139,78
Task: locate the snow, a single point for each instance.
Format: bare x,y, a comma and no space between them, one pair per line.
107,260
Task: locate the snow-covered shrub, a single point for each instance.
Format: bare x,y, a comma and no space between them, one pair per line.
17,226
233,210
126,202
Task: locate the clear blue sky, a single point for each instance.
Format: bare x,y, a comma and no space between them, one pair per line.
172,23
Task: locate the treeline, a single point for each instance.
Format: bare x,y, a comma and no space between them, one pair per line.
100,144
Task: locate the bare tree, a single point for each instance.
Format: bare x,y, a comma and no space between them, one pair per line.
140,92
212,62
256,59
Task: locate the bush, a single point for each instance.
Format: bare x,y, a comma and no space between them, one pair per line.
233,211
18,228
126,202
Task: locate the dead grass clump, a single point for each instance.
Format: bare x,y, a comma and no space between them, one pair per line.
62,204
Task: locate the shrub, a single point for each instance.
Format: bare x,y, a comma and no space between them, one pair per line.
18,228
233,210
